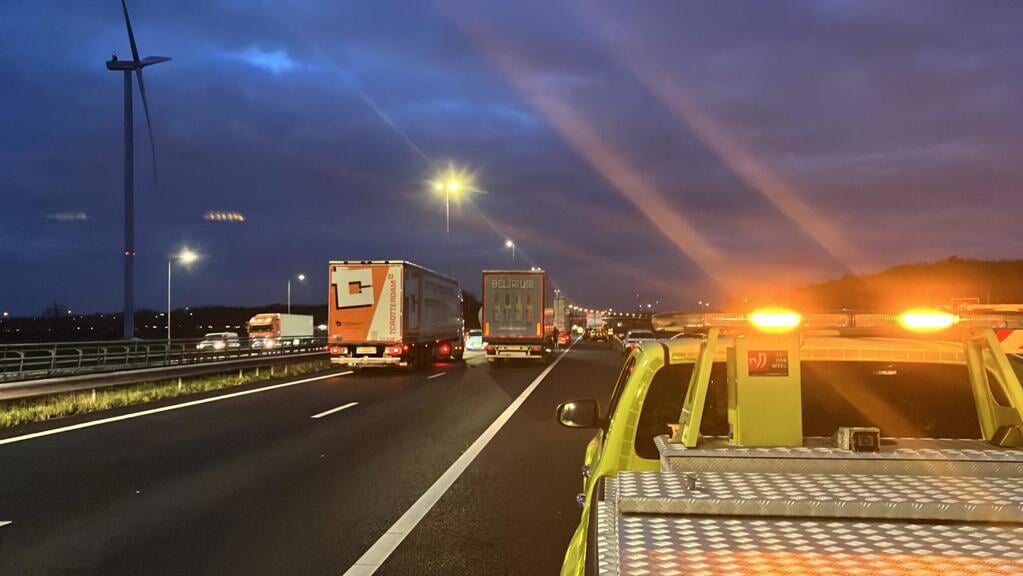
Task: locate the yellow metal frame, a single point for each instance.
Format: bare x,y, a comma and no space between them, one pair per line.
689,421
1001,425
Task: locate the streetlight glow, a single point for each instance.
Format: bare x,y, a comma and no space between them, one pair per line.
301,277
452,182
186,256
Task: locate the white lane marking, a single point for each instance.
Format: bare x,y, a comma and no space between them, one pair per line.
338,409
371,561
5,523
437,375
102,421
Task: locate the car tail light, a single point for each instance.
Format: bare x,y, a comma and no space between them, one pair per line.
632,344
395,350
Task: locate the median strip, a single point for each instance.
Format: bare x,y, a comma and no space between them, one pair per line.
151,411
333,410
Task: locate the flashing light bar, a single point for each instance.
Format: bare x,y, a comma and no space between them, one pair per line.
775,320
925,320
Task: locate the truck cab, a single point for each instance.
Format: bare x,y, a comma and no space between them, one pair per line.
848,393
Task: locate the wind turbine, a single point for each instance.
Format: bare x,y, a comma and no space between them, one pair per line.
127,67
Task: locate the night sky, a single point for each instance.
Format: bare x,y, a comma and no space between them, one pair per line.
678,150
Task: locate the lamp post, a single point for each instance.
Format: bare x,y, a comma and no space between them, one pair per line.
301,278
509,244
186,257
448,186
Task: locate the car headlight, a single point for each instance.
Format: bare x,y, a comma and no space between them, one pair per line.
219,345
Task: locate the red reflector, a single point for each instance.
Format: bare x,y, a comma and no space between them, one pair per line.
395,350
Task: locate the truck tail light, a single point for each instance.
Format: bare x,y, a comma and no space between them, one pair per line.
489,348
335,350
395,350
536,348
445,349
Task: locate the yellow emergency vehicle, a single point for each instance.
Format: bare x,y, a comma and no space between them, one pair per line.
793,443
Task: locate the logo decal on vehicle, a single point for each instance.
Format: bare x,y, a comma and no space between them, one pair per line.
354,288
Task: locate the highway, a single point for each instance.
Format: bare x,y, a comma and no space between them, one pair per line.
304,477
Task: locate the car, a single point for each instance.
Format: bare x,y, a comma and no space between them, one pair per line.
564,339
218,341
474,340
599,335
634,338
888,383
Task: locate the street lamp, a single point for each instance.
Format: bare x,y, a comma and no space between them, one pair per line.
186,258
509,244
301,278
449,186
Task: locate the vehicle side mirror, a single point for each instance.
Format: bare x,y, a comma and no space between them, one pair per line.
580,414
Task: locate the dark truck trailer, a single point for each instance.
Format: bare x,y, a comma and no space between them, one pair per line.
514,315
392,313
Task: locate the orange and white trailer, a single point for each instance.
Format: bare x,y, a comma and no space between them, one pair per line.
392,313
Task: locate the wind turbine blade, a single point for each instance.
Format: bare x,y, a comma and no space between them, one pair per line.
149,123
131,37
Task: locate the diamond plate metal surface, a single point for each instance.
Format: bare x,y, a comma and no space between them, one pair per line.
701,545
905,456
967,499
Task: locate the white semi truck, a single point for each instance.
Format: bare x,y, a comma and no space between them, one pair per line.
275,330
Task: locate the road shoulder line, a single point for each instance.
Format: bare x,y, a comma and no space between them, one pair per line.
151,411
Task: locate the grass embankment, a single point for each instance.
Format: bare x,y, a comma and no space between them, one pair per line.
18,412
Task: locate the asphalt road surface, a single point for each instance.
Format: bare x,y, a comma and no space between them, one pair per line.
305,478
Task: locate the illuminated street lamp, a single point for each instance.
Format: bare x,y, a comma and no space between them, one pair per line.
449,186
301,278
186,258
509,244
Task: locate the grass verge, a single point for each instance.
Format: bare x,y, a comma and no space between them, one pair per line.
19,412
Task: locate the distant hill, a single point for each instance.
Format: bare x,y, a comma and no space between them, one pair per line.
923,284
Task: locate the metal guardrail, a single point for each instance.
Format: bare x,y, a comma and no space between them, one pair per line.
54,359
18,390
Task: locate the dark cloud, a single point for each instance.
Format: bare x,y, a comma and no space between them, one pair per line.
896,124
